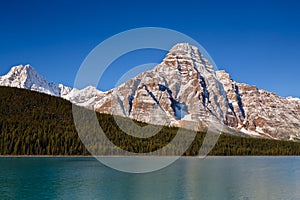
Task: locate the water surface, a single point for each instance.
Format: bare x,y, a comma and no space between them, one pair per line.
188,178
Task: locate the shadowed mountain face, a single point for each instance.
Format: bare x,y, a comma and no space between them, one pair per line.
183,89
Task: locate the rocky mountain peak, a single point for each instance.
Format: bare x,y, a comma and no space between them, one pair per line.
183,49
26,77
186,54
22,76
21,71
183,89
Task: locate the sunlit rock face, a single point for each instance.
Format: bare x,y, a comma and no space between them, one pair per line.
184,87
262,113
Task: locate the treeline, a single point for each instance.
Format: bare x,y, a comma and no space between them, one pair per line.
32,123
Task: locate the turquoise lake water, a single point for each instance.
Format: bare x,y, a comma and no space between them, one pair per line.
188,178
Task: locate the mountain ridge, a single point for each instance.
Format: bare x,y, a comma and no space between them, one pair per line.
37,124
183,88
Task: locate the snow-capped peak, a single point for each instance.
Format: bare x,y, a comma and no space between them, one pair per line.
183,89
26,77
183,47
183,51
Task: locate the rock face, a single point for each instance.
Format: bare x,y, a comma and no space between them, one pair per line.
183,89
258,112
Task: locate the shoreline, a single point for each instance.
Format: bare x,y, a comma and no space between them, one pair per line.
89,156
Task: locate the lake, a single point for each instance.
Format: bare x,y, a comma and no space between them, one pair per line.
188,178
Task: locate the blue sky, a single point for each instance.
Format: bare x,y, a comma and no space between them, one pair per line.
257,42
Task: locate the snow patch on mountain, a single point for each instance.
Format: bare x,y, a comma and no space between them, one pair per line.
86,97
27,78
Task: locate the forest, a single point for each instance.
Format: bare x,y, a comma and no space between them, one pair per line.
32,123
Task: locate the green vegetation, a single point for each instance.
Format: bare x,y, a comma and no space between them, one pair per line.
37,124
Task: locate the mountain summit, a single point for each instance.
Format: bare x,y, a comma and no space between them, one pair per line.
27,78
183,88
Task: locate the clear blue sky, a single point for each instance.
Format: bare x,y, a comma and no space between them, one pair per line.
258,42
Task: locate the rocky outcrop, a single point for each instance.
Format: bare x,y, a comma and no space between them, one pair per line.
259,112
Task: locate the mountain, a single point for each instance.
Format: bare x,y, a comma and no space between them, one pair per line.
33,123
86,97
27,78
184,89
261,113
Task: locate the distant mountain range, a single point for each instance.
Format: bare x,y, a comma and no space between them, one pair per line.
183,88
